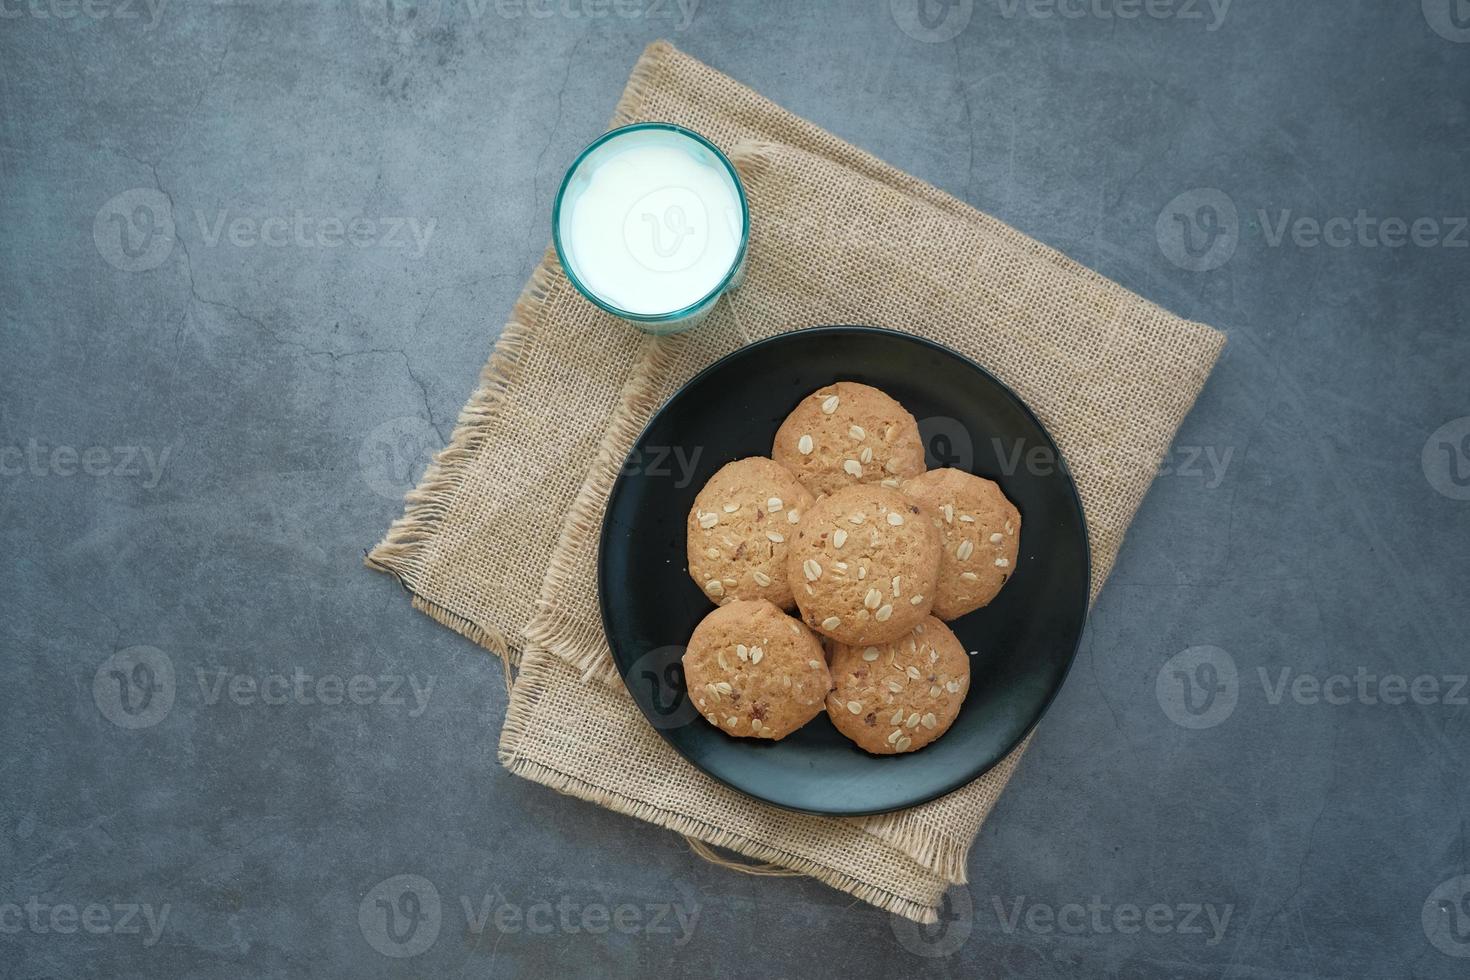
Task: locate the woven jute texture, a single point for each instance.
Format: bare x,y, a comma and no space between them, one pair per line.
499,540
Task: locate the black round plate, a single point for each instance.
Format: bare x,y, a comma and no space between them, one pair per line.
1025,639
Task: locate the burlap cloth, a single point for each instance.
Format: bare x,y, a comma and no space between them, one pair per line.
499,540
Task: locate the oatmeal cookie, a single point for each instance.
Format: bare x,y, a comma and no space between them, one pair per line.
755,672
864,565
849,433
981,533
738,530
901,695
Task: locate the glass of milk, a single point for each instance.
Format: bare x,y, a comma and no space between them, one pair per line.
651,224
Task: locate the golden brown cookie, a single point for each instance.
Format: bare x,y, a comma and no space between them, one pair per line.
738,531
849,433
899,696
755,672
981,532
864,564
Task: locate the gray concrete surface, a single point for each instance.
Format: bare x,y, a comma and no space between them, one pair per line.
201,432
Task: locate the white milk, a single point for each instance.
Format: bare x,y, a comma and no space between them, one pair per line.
651,222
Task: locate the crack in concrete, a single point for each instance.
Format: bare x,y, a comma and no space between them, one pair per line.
204,90
269,331
551,132
969,123
1311,838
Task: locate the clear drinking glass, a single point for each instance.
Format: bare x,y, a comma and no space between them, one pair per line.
665,239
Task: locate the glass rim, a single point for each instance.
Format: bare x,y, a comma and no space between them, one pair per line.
719,287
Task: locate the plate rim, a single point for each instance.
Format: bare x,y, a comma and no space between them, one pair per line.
852,329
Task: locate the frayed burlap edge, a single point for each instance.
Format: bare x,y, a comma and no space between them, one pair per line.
640,81
941,854
549,628
706,853
529,687
405,549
